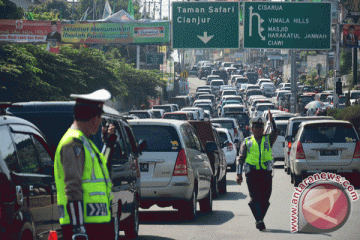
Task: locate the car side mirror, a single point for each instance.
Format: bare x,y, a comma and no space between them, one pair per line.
210,146
142,146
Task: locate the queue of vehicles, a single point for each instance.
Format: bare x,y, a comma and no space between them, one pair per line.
175,154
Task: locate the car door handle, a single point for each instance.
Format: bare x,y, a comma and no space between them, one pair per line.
117,167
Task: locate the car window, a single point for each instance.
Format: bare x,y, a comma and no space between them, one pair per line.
263,108
337,133
223,136
217,83
227,124
42,152
158,138
175,116
196,139
282,129
188,137
28,160
7,150
295,128
354,95
141,115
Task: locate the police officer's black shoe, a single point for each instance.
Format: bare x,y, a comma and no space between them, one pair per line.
260,225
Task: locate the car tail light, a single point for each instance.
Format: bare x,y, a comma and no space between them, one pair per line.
357,150
181,164
289,147
230,147
300,151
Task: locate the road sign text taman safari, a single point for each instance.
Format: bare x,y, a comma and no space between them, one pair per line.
205,25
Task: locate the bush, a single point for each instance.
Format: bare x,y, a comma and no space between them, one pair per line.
351,114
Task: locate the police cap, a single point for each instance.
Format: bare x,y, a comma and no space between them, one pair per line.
90,105
257,121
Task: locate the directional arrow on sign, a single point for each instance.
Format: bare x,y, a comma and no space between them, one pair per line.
205,38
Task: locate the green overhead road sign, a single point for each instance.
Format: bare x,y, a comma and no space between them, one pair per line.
198,25
288,25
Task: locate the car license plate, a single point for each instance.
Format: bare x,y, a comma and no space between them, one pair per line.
329,152
144,167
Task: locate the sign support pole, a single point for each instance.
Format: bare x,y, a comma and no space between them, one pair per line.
137,56
293,97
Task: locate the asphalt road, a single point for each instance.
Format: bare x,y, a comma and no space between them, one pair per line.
231,217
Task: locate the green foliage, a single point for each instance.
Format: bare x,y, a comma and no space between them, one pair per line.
54,10
351,114
304,54
345,62
9,10
313,79
30,73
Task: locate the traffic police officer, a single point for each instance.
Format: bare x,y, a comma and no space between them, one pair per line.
81,175
255,157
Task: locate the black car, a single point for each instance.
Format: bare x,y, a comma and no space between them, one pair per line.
27,198
243,121
252,76
54,118
222,73
204,72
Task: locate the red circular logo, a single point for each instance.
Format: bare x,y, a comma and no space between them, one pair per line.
325,206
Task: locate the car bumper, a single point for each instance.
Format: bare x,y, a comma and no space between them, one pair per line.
178,189
230,156
300,166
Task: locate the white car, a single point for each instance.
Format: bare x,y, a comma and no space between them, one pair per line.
228,146
198,110
277,150
260,108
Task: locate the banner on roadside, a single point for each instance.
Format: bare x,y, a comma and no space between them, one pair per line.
23,31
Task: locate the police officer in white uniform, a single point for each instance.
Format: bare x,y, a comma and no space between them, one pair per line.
255,157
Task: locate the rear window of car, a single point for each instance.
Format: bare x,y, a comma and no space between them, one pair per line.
242,80
140,115
323,97
158,138
328,133
254,93
229,93
226,124
266,107
217,83
354,95
157,114
166,108
175,116
282,129
234,109
282,117
223,136
212,98
307,99
281,94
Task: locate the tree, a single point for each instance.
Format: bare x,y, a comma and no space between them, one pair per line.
9,10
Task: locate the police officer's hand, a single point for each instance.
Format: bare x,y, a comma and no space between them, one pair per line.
239,179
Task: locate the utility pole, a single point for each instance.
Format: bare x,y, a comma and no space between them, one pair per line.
337,59
293,97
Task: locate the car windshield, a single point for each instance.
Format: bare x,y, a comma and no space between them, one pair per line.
254,93
323,97
234,99
268,85
227,124
342,100
217,83
158,138
205,107
175,116
281,94
265,107
212,98
328,133
234,109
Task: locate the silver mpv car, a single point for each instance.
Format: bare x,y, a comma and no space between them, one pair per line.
327,145
174,170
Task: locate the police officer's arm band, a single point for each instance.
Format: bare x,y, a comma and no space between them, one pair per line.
239,169
76,213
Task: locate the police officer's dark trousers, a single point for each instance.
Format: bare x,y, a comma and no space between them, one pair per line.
95,231
259,183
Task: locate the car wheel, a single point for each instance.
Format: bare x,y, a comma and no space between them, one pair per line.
189,208
297,179
222,185
132,223
25,232
215,187
206,203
